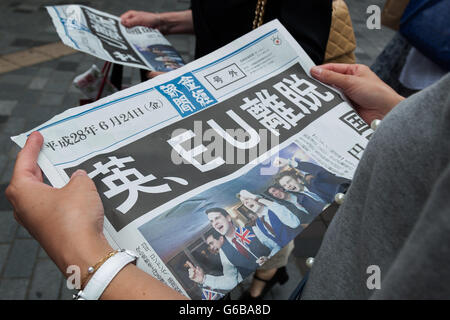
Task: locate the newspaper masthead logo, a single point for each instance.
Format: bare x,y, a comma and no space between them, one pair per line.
186,94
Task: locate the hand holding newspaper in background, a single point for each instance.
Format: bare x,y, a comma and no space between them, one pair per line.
166,22
104,36
134,18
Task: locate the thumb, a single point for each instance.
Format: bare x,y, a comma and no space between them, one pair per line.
330,77
27,157
81,180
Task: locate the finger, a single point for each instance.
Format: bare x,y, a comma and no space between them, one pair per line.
80,181
342,81
130,19
135,20
27,157
152,74
343,68
126,15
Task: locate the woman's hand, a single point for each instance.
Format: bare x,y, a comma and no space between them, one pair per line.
67,222
166,22
372,98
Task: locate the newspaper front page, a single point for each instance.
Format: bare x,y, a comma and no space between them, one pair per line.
102,35
215,165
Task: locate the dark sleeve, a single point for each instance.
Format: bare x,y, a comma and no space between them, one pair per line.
309,167
217,23
420,270
307,21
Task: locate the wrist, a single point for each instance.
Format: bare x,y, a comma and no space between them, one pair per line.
393,99
396,100
84,253
176,22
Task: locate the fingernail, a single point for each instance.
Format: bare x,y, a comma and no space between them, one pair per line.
79,172
316,70
34,134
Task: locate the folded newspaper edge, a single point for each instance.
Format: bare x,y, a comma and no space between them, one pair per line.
102,35
259,82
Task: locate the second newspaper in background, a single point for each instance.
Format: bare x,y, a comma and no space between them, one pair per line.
103,36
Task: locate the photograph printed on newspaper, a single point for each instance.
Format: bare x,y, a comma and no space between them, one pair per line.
102,35
209,170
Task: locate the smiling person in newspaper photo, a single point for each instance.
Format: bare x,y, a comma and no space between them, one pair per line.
311,179
276,225
239,258
302,202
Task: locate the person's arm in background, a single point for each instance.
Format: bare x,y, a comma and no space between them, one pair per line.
174,22
269,243
228,280
371,97
167,22
283,213
68,223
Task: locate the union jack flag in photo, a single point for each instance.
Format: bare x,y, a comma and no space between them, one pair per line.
211,295
244,235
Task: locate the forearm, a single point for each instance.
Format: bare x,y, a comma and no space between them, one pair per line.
285,215
274,248
392,100
176,22
129,283
134,284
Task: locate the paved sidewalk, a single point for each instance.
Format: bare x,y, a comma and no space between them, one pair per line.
33,93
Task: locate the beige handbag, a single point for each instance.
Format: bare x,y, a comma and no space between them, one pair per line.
341,42
393,12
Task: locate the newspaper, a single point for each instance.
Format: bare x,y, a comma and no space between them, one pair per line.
212,148
102,35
